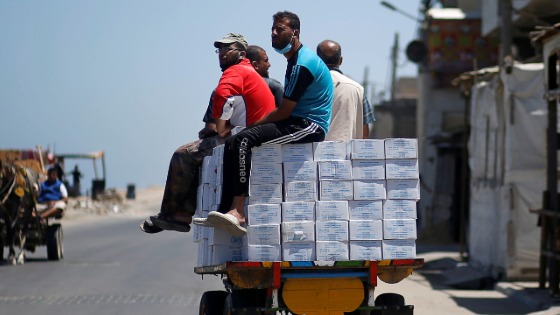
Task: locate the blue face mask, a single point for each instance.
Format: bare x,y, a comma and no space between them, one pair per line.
286,48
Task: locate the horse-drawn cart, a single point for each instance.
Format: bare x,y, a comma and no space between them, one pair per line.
21,172
311,288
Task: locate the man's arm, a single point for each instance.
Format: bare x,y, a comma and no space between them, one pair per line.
282,112
64,193
223,128
366,131
208,130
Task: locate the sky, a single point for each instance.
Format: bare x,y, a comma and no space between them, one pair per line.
133,77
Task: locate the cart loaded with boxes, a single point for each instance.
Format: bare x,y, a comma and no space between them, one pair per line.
325,221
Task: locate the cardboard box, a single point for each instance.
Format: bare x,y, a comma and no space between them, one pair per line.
266,173
330,150
295,152
300,171
218,152
335,170
207,194
218,194
394,229
402,169
222,237
298,251
267,153
219,173
213,198
365,250
399,249
298,211
336,190
332,230
332,251
369,190
365,209
300,191
264,214
266,234
401,148
199,198
207,170
367,149
403,189
298,231
200,232
368,169
331,210
202,258
264,253
366,230
265,193
224,253
399,209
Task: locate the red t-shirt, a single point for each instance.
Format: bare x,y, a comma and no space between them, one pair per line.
242,96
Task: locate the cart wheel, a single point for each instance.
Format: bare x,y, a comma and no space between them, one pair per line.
55,248
212,303
228,305
389,300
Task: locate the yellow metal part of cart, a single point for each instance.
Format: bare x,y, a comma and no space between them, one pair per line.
323,296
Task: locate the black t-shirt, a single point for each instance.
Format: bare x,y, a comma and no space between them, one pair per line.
208,115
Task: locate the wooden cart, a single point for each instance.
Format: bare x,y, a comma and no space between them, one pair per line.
310,287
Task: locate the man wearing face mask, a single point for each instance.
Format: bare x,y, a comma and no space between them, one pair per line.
302,117
241,98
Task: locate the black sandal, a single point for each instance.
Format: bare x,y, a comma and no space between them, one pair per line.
148,227
169,223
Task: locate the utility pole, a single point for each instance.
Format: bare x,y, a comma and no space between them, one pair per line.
394,62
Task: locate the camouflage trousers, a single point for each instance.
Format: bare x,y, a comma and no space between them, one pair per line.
182,181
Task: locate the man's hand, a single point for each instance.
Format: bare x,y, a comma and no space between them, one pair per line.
206,132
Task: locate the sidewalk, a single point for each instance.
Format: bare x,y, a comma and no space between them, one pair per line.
444,259
529,293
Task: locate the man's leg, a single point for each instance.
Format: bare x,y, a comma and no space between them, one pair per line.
179,198
56,210
237,157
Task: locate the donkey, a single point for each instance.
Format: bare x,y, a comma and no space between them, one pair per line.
18,194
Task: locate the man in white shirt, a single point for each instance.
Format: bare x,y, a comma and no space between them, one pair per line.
349,104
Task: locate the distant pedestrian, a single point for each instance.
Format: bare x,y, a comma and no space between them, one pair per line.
76,176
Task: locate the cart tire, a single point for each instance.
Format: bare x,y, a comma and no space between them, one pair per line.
389,300
228,305
212,303
55,247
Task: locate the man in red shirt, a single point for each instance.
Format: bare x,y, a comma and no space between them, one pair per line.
241,98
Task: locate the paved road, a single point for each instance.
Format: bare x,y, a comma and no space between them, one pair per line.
110,267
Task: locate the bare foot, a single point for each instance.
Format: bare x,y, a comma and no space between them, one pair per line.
237,215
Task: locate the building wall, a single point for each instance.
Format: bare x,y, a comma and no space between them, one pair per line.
437,108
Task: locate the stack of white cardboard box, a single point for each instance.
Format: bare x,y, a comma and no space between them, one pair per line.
323,201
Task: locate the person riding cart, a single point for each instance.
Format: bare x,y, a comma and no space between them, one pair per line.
53,196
